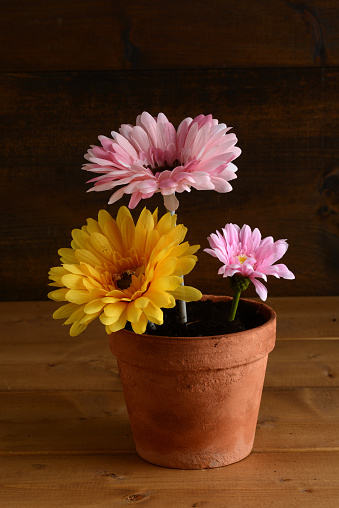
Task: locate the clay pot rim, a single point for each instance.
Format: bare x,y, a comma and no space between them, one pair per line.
216,298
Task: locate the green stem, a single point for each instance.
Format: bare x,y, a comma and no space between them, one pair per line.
234,307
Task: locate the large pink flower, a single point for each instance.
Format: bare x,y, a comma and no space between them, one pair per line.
244,252
153,157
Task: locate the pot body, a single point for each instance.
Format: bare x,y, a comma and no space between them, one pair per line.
193,402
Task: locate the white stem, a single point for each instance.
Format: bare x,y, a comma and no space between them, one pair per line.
182,309
180,303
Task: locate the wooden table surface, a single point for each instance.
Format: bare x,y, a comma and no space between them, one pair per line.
66,439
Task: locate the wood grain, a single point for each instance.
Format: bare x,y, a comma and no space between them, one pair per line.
307,479
291,364
97,421
70,71
31,324
287,180
105,35
66,438
38,354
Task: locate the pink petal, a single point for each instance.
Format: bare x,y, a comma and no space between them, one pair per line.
171,203
116,196
126,145
135,199
140,138
221,185
260,289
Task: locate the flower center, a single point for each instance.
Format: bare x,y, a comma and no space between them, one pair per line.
123,280
242,258
156,168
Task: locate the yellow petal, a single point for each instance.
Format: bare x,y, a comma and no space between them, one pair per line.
133,314
101,245
103,217
142,302
140,239
56,273
193,249
85,256
93,226
78,296
175,236
155,216
161,299
115,293
179,250
127,229
166,267
79,237
94,307
106,320
89,270
73,281
187,293
154,314
77,328
114,310
59,295
76,315
90,284
165,283
141,325
123,213
67,256
110,299
65,311
184,249
146,219
73,268
185,265
165,224
151,241
119,324
112,232
88,318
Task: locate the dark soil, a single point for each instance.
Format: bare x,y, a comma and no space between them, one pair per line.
208,318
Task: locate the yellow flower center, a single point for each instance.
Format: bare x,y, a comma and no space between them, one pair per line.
242,258
123,280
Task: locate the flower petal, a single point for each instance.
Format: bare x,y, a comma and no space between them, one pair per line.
187,293
260,289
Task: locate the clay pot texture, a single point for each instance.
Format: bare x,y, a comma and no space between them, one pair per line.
193,402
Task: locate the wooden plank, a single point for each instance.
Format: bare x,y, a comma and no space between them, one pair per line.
306,317
279,479
38,354
80,35
291,363
31,324
286,182
48,376
97,421
303,363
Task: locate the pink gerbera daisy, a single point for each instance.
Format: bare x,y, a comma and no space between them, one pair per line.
243,252
153,157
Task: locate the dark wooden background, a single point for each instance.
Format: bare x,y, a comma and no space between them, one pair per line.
71,70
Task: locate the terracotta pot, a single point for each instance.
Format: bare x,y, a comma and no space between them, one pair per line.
193,402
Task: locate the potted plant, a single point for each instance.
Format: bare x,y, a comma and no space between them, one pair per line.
192,375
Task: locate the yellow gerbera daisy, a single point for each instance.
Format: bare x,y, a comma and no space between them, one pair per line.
122,271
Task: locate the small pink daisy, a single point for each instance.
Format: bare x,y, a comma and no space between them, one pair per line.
243,252
153,157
